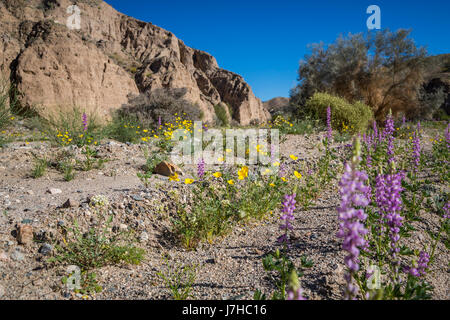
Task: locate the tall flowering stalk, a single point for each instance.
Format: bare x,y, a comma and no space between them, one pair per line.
375,132
388,197
287,217
420,267
329,129
388,134
295,292
85,122
201,168
353,192
416,150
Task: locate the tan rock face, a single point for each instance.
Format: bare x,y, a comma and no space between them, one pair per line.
58,70
110,58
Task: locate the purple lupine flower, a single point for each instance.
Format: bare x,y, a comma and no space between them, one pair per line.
446,211
419,269
403,120
416,150
388,198
282,170
159,122
351,229
201,168
418,127
287,217
388,133
329,129
85,122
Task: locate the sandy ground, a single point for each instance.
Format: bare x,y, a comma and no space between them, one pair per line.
228,268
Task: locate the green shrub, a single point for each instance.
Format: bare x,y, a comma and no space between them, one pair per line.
179,279
356,116
124,128
222,114
5,113
66,128
96,246
40,166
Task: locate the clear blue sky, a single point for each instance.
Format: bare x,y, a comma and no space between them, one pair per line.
264,40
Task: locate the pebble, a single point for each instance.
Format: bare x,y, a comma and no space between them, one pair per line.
30,192
70,203
54,191
123,227
17,255
143,237
4,257
137,198
46,249
2,291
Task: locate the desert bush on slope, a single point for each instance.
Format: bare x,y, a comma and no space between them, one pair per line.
356,116
160,106
384,70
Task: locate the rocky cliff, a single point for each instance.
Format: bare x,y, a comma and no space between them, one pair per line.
110,58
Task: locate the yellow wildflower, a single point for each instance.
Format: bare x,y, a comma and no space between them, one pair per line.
243,173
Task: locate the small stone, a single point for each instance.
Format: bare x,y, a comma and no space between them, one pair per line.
54,191
137,198
2,291
70,203
30,192
143,237
46,249
4,257
123,227
27,221
167,169
61,223
25,234
17,255
212,261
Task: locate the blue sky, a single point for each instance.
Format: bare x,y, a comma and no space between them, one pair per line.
264,40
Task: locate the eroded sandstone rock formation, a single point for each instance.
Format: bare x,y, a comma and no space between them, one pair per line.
110,58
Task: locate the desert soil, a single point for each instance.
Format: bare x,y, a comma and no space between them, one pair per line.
229,268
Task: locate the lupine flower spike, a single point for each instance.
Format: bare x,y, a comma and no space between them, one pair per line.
85,122
201,168
329,129
353,192
287,217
